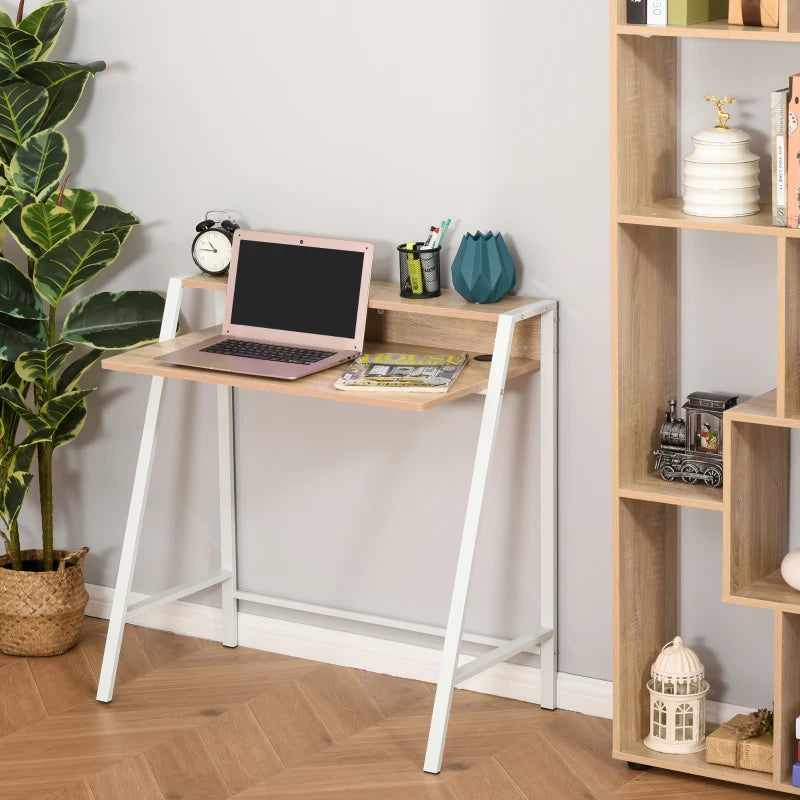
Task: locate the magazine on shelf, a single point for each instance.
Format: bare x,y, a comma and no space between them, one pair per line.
406,372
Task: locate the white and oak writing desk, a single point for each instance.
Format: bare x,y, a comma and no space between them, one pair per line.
521,335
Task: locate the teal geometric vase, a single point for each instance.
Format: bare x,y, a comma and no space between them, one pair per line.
483,271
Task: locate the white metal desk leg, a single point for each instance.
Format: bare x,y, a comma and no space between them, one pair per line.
227,504
133,528
458,604
548,483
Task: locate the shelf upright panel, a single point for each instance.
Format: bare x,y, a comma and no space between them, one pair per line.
644,318
646,608
756,508
788,328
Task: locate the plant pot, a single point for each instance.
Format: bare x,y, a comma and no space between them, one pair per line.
41,613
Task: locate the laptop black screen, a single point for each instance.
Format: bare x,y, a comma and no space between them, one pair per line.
297,288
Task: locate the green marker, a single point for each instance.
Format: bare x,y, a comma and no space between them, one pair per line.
414,267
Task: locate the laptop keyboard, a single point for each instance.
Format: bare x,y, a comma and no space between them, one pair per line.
268,352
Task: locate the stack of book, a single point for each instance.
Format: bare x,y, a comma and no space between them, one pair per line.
691,12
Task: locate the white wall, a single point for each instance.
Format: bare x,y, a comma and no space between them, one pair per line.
374,120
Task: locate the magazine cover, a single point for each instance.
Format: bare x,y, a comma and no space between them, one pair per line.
407,372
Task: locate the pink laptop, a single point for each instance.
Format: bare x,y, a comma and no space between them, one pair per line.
296,305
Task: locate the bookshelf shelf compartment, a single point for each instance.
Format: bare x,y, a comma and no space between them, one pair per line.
717,29
695,764
652,488
669,214
770,592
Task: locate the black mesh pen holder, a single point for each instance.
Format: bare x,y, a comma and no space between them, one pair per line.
419,271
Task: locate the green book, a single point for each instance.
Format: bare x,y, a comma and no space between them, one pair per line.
690,12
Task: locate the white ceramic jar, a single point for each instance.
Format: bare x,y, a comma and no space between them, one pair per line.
720,176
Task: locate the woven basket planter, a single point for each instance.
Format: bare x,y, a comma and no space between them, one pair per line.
41,613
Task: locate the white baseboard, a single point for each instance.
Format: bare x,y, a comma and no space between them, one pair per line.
575,692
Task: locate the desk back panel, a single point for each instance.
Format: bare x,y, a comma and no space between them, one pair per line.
475,336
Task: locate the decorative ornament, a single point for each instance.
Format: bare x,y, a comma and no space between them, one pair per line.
678,690
720,176
483,271
790,568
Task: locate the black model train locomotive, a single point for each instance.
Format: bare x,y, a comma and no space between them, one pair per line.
691,449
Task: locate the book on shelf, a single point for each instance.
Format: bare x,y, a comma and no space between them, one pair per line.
692,12
637,12
793,153
406,372
656,12
778,102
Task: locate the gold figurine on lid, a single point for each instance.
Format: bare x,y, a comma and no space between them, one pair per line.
723,117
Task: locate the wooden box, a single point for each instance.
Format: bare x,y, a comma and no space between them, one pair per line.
724,746
761,13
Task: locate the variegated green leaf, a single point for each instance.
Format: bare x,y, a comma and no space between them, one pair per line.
65,415
7,76
17,459
6,21
39,163
7,150
17,48
17,295
74,371
9,421
110,219
64,84
40,366
72,262
12,396
7,205
55,410
46,224
17,336
80,203
22,106
93,66
14,221
115,320
71,425
45,24
15,488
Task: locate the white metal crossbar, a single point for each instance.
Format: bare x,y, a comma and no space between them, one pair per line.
545,639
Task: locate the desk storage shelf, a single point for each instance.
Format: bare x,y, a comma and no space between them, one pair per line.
520,334
754,502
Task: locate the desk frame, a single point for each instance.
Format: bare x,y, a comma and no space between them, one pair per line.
451,671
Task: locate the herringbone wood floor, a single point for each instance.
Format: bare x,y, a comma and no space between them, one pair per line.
193,720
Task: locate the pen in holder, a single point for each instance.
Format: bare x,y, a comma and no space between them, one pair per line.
419,271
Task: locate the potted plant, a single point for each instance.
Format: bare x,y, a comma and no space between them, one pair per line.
67,236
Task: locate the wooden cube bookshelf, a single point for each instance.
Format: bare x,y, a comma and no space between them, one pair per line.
754,502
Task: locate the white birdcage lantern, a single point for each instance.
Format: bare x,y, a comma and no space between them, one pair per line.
678,690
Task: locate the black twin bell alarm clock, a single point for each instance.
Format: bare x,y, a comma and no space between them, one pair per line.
211,248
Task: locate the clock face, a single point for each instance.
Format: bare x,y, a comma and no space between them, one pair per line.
212,251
